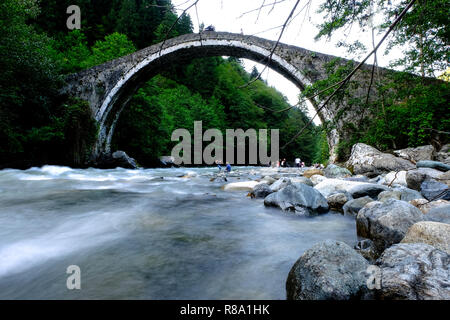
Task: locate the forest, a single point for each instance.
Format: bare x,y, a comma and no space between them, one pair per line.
40,126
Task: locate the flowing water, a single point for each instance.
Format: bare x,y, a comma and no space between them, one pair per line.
147,234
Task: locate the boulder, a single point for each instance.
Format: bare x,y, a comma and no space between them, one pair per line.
333,171
352,207
414,271
433,165
436,234
330,186
367,160
367,189
433,190
316,179
304,180
298,198
386,223
280,184
439,214
311,172
416,154
365,248
261,190
414,178
393,178
426,206
336,201
241,186
330,270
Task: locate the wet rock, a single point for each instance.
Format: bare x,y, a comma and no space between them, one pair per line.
333,171
299,199
433,165
414,271
386,223
337,201
280,184
367,189
367,160
241,186
311,172
439,214
414,178
330,270
416,154
436,234
352,207
261,190
433,190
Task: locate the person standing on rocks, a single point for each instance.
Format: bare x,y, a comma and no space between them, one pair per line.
228,168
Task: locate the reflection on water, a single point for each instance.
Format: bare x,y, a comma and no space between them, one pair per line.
147,234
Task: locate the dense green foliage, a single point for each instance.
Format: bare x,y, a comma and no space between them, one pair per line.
405,111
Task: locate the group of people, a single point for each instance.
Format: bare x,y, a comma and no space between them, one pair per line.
227,167
282,163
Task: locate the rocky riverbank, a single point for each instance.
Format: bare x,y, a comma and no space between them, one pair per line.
402,211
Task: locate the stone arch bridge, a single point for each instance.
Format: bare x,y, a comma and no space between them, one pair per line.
109,87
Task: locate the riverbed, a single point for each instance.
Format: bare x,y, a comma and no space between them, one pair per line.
148,234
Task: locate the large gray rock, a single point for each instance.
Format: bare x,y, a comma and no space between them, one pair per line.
353,207
330,270
433,190
416,154
367,160
435,234
386,223
261,190
414,178
433,165
439,214
414,271
403,194
367,189
334,171
299,198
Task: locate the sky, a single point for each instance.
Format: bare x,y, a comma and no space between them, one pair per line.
237,15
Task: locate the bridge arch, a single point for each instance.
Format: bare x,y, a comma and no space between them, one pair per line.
110,86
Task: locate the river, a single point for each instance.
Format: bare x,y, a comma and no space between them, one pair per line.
147,234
